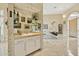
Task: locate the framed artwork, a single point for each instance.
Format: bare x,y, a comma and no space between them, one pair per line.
39,25
22,19
45,26
60,28
27,26
35,16
29,20
10,13
17,25
16,20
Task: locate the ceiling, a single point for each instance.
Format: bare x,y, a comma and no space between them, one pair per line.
56,8
33,7
48,8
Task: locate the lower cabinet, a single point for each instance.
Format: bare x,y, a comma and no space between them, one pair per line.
30,45
37,42
27,45
19,47
3,48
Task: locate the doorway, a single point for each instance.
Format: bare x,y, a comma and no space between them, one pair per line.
73,33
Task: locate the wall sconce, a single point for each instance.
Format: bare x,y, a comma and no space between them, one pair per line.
64,16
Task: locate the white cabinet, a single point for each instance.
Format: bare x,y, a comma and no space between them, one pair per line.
32,44
19,47
4,49
27,45
37,42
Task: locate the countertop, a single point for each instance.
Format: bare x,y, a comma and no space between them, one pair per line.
27,35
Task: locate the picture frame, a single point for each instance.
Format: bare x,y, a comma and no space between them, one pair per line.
17,25
29,20
27,26
10,13
22,19
35,16
60,29
45,26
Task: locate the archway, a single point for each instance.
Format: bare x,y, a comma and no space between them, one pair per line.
73,26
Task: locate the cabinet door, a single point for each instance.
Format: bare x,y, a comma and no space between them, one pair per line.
19,47
37,42
4,49
30,45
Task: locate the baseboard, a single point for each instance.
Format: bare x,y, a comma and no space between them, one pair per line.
34,52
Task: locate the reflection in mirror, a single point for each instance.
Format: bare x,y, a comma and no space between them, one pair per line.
72,19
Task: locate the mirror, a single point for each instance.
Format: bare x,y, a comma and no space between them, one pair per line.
73,31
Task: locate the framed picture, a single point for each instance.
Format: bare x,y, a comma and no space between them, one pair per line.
27,26
10,13
39,25
60,28
22,19
16,20
17,25
35,16
45,26
29,20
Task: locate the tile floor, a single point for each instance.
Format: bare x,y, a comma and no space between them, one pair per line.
73,46
57,47
52,48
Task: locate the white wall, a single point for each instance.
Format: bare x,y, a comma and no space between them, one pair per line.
4,30
48,19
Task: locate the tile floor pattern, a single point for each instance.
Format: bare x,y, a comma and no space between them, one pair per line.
52,48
